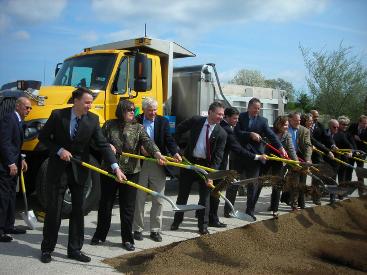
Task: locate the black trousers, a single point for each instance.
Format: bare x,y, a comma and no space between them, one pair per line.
7,200
127,196
187,178
349,172
251,168
55,191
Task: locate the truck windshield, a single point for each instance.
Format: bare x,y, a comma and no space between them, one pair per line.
91,71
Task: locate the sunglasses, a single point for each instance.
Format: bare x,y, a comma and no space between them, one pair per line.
131,110
335,127
345,124
28,108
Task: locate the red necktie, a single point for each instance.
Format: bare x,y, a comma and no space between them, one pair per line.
208,157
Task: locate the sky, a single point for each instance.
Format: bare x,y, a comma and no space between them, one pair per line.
262,35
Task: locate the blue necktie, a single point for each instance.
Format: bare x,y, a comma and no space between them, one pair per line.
21,127
77,120
250,123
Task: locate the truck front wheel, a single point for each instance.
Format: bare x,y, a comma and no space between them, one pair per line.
92,197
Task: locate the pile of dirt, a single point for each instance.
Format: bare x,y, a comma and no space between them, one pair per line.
329,239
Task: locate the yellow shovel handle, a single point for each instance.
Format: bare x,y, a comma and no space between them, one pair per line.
338,160
22,180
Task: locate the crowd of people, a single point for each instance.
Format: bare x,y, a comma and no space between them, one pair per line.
71,131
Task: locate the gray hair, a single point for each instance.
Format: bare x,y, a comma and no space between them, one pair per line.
331,121
343,119
292,114
149,101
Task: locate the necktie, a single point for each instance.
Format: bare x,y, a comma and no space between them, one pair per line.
21,127
208,156
77,120
250,122
359,131
311,129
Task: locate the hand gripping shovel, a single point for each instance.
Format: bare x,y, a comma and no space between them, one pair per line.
361,172
28,216
235,214
177,208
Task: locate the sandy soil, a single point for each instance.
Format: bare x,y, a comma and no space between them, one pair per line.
329,239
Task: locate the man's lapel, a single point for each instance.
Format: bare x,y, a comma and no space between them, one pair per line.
82,125
156,128
65,117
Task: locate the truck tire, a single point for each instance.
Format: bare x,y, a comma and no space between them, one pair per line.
92,197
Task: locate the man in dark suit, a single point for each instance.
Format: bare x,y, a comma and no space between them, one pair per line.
230,120
359,132
248,132
152,174
205,147
68,133
341,142
11,141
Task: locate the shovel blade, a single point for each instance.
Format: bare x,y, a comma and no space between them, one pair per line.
30,219
345,191
219,174
244,182
189,207
242,216
361,172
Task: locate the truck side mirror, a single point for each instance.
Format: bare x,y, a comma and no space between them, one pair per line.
57,68
140,72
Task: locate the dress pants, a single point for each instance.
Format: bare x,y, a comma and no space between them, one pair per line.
152,176
214,205
251,168
7,200
350,171
187,178
127,195
55,194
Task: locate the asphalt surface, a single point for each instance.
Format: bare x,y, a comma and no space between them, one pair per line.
22,255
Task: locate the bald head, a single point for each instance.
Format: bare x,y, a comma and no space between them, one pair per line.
315,115
333,125
23,107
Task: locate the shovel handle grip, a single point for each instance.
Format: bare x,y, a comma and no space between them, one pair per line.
22,180
338,160
110,175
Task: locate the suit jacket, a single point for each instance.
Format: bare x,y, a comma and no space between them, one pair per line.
353,129
350,138
162,137
319,133
217,139
260,126
342,143
56,135
319,145
304,143
11,141
232,145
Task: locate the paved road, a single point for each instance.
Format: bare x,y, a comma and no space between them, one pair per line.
22,255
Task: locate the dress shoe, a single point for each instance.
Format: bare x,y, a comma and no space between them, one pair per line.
78,255
128,246
217,224
340,197
94,241
15,231
155,236
252,216
138,236
332,199
226,215
174,226
203,231
318,202
275,214
269,208
46,257
294,209
5,238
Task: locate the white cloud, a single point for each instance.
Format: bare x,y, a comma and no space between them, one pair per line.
290,76
5,22
121,35
28,13
226,76
89,37
20,36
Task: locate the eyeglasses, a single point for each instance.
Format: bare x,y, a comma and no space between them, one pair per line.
335,127
345,124
131,110
28,108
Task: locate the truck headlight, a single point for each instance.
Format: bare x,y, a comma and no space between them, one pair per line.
33,127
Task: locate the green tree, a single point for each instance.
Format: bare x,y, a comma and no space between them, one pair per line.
303,100
248,78
281,84
337,80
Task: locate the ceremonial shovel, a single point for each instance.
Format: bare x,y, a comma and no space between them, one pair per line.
177,208
28,216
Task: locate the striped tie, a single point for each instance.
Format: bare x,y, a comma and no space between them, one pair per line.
77,120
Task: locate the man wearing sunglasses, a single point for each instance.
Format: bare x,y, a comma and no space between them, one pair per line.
340,142
11,161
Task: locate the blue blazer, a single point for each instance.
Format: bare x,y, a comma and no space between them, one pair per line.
11,141
162,137
232,145
260,126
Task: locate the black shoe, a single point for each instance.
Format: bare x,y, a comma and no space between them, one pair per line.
340,197
138,236
252,216
78,255
203,231
318,202
332,199
226,215
217,224
5,238
15,231
94,241
155,236
46,257
174,226
128,246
